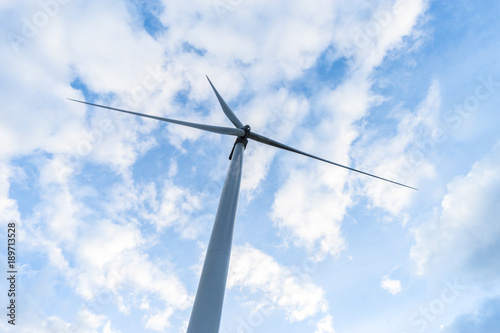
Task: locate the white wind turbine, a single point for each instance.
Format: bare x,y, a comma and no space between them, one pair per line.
207,308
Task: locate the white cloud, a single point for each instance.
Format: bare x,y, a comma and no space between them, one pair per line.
368,39
404,157
466,226
108,240
100,256
325,325
8,206
159,321
120,266
253,46
109,329
89,319
259,272
310,212
177,206
83,321
169,206
392,286
254,33
311,204
114,47
60,51
394,23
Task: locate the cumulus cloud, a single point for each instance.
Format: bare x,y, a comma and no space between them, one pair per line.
392,286
404,157
102,51
164,206
159,321
310,213
377,29
260,273
83,321
278,46
465,227
325,325
315,223
8,206
100,256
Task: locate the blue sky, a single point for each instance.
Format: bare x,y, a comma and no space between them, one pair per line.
114,213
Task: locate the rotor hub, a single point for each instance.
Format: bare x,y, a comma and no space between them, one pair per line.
243,139
247,130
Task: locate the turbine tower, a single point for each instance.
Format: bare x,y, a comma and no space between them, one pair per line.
207,308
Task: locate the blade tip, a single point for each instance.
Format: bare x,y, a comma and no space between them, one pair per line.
410,187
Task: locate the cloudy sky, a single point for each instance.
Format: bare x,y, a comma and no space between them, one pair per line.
114,213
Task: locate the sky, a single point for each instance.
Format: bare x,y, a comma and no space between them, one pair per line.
113,213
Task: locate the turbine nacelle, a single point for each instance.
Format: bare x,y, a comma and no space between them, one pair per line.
243,139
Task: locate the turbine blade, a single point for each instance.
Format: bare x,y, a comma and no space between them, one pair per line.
209,128
237,123
265,140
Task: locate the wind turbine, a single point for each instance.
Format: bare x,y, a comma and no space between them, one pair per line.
207,308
